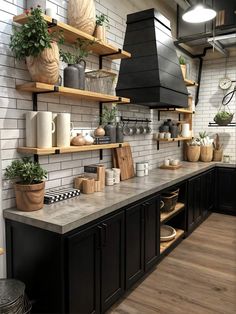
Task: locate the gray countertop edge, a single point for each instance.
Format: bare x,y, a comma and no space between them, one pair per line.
15,215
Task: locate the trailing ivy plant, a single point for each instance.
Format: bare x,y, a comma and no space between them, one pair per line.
33,37
25,171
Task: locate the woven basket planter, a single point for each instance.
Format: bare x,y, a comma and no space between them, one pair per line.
206,153
193,153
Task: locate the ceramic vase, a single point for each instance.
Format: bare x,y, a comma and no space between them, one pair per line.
81,14
45,67
71,76
31,128
110,130
64,127
81,66
45,128
100,33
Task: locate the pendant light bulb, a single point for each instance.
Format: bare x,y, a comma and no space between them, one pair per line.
199,14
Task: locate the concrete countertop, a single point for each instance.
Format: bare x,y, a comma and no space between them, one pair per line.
67,215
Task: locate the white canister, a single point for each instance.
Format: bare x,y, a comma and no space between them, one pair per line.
64,127
166,162
109,181
140,173
146,168
185,130
31,128
140,166
51,12
161,135
167,135
54,134
116,172
109,174
45,128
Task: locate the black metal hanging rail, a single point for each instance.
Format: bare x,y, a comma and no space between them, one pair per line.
213,124
135,120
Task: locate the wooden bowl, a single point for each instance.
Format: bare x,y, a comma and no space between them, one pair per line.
168,233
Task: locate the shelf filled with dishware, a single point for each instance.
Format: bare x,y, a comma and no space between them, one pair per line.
66,150
168,244
165,216
37,87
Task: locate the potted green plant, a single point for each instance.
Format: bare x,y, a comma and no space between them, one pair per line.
102,22
109,119
29,185
74,74
37,44
182,63
223,117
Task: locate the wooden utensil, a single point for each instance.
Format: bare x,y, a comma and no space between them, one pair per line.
88,186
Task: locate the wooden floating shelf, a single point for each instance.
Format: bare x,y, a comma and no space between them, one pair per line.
176,139
179,110
165,245
36,87
190,82
166,216
71,34
66,150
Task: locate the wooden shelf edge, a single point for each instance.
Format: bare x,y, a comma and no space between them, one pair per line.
190,82
166,245
176,139
71,34
35,87
166,216
66,150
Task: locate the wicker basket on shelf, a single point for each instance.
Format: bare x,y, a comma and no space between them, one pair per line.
170,200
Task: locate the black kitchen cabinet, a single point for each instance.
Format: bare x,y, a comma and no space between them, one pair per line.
84,271
194,202
226,191
96,266
207,192
142,238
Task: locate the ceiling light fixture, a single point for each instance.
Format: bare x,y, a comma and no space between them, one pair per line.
198,14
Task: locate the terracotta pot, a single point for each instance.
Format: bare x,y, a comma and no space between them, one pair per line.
81,14
45,67
206,153
100,33
29,197
217,154
193,153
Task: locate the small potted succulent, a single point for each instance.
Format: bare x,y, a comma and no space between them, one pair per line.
37,44
182,63
29,185
223,118
102,22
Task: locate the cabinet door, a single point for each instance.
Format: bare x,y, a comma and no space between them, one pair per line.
112,260
151,232
194,202
205,191
134,250
226,182
83,268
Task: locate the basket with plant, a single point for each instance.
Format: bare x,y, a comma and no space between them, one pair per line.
102,22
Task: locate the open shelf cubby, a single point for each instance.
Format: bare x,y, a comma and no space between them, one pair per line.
167,245
168,215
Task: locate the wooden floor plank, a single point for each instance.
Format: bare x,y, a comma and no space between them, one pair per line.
198,277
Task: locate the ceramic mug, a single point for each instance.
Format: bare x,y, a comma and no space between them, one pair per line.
166,162
140,173
64,127
140,166
31,128
45,128
167,135
161,135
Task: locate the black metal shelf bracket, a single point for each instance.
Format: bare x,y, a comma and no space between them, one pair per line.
53,23
36,158
35,96
107,55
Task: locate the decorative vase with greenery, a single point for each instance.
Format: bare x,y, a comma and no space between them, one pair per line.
29,186
37,44
75,61
193,150
109,119
206,153
223,117
182,63
102,22
218,151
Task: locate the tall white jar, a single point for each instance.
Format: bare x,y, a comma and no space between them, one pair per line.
45,128
64,127
31,128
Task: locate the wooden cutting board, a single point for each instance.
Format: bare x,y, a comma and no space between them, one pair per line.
123,159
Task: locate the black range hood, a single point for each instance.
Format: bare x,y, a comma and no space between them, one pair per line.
152,76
